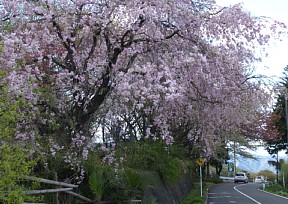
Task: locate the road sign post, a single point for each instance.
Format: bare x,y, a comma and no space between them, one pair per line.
201,181
200,162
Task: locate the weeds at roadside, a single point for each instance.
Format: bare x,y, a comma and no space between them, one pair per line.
195,196
276,189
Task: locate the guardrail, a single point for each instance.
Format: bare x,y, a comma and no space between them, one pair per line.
227,178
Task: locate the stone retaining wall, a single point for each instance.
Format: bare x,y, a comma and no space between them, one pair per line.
169,193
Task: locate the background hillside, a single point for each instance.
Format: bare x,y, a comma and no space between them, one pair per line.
257,165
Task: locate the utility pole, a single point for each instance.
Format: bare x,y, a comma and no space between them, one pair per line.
234,158
277,164
286,111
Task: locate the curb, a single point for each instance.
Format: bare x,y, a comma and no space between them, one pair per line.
272,194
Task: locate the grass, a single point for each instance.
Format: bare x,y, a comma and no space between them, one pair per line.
195,196
276,189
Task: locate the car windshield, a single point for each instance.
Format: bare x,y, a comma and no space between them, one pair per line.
239,174
258,177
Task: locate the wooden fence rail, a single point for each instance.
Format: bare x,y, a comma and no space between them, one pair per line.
56,190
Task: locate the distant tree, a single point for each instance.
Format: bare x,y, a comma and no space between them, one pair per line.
280,108
284,173
278,117
221,157
271,176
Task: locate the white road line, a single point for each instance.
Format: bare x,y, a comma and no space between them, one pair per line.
245,194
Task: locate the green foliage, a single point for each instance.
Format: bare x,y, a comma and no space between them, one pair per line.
96,182
136,165
282,193
284,173
1,47
274,188
144,164
156,157
168,169
13,166
133,179
279,113
150,178
277,189
100,178
214,179
195,196
150,200
111,184
13,154
97,177
221,156
271,176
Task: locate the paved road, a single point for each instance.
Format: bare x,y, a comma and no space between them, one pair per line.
241,194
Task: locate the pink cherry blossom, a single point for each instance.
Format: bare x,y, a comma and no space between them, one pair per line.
157,67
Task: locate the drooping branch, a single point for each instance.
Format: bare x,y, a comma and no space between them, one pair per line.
203,97
172,34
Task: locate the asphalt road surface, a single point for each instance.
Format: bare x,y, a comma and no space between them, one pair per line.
242,194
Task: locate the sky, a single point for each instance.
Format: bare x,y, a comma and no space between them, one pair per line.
277,59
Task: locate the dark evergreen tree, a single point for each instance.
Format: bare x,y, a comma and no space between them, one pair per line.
279,116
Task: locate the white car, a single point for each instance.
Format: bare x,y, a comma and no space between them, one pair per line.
259,179
240,177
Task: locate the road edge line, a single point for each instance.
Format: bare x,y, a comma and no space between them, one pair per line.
245,194
273,194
